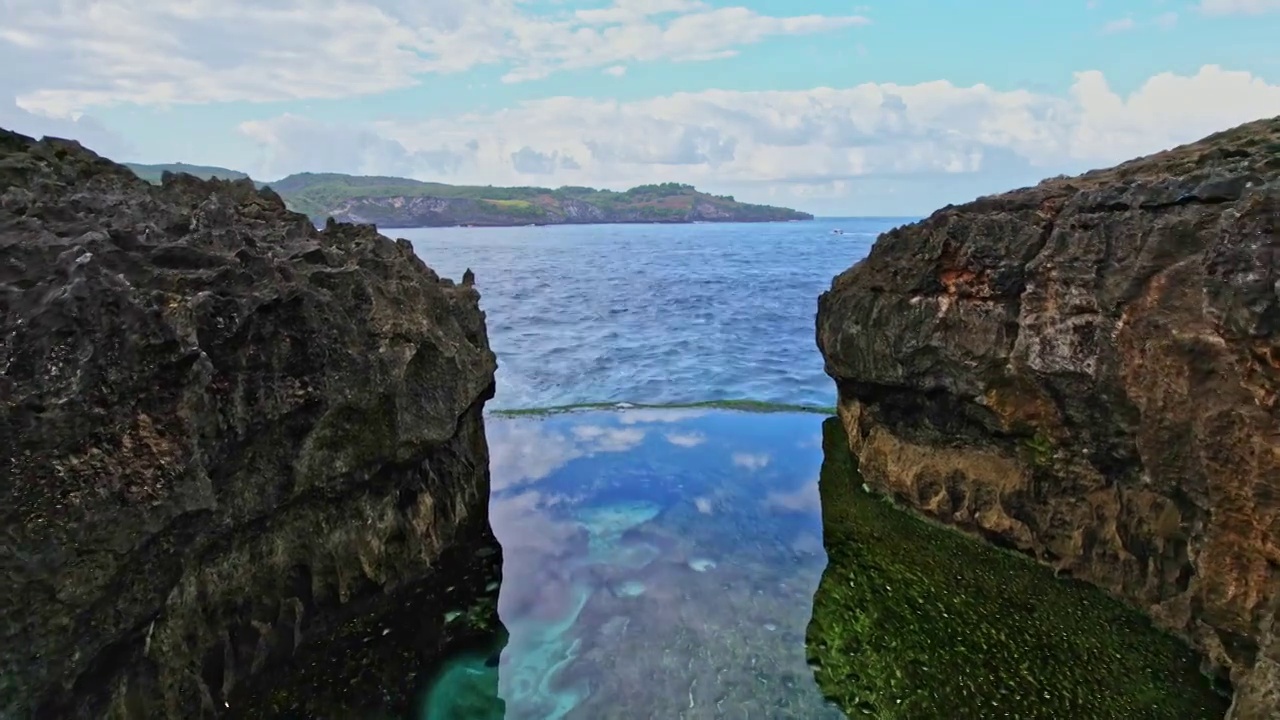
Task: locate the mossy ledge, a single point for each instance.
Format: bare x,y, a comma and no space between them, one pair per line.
229,438
914,621
1087,371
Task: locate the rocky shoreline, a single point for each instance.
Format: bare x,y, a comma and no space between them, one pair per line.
1087,371
427,211
229,434
397,202
247,472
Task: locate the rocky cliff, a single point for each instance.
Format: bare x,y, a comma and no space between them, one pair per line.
1087,371
224,434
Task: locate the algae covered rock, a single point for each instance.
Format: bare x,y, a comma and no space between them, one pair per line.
223,430
914,621
1087,371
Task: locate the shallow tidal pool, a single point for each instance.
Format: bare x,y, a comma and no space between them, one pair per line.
656,563
663,563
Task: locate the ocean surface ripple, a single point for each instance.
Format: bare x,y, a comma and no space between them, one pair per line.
653,314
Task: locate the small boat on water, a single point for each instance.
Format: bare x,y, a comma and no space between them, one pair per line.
837,231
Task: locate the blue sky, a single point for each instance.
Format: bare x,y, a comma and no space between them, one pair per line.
837,108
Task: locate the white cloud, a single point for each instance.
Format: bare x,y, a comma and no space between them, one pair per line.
751,461
628,11
616,70
88,131
786,146
1120,25
198,51
1239,7
688,440
636,416
524,451
804,499
1164,21
605,439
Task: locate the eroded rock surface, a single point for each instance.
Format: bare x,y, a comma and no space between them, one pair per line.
1087,371
221,428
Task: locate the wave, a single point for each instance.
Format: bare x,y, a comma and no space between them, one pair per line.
754,406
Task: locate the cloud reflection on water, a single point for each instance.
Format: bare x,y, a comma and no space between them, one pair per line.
751,461
685,439
628,553
804,499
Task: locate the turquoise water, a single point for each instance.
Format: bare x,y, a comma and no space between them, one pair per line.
653,313
657,563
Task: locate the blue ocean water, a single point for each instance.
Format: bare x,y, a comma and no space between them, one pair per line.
654,314
662,561
657,563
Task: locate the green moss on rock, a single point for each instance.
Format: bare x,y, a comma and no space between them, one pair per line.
914,621
1038,449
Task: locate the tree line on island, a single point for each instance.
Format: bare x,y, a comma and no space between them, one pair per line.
402,202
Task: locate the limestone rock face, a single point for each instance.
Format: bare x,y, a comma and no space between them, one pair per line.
219,427
1087,370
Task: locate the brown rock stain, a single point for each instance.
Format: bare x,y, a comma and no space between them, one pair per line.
928,476
1023,409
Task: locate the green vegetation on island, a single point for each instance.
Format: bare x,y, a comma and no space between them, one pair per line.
402,202
152,173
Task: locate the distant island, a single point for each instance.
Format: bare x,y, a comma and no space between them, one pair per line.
394,202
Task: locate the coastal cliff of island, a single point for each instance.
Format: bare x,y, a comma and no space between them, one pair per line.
1087,371
394,202
229,438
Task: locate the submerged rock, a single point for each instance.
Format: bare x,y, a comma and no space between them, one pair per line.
466,687
1087,371
223,431
702,564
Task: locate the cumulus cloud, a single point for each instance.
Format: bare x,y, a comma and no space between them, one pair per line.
789,145
804,499
1120,25
22,74
606,439
522,452
1164,21
881,143
751,461
688,440
1239,7
531,162
638,416
199,51
87,130
290,142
